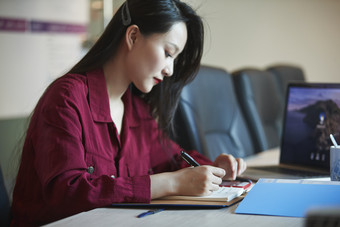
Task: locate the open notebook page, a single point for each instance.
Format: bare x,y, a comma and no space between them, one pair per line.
223,194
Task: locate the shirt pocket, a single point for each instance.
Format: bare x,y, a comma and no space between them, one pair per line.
98,165
137,164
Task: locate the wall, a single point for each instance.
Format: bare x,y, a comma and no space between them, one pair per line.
259,33
39,40
240,33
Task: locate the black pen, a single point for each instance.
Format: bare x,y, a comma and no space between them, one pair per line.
189,159
149,212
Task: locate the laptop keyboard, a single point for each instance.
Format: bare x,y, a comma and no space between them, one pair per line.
282,170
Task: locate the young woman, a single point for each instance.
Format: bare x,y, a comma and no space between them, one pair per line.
99,134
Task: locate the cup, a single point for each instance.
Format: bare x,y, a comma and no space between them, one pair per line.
335,163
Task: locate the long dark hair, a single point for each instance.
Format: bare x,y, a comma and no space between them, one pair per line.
153,16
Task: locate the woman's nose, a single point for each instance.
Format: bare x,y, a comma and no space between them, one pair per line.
168,70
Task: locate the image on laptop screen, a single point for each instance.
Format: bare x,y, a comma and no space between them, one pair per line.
312,113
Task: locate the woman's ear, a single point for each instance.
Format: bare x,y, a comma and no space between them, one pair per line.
131,35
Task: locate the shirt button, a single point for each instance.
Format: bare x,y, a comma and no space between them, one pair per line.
113,176
90,170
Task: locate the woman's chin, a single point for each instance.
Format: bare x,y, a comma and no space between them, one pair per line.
145,89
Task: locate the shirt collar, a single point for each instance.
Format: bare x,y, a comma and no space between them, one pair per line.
130,112
98,96
99,100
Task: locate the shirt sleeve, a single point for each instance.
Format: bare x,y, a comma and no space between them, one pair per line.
60,167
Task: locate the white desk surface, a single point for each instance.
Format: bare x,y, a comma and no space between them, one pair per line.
208,217
177,218
269,157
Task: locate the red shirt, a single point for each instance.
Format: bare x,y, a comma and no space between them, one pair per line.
74,160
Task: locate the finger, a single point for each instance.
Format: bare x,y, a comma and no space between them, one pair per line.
233,167
215,187
212,188
242,165
219,172
209,188
216,180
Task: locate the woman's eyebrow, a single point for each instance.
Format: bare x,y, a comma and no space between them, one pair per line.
174,45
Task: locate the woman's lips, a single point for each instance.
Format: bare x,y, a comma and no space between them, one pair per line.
157,80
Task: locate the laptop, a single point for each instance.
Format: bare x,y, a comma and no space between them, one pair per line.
311,114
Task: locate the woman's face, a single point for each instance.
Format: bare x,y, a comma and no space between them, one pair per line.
152,57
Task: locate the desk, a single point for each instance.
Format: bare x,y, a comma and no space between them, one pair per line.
208,217
269,157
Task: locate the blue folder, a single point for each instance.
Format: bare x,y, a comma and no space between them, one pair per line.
292,198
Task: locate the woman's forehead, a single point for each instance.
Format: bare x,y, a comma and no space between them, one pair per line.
176,36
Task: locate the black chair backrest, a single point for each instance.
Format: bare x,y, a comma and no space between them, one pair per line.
284,74
209,118
257,93
4,203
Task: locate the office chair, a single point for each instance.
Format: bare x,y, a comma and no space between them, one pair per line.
284,74
4,203
209,119
259,100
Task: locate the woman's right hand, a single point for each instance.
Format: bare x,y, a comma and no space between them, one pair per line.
197,181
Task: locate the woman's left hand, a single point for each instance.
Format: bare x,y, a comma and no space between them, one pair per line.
232,166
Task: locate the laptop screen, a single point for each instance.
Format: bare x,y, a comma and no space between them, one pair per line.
312,112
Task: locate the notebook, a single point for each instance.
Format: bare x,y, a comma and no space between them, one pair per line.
224,197
312,112
291,198
223,194
229,193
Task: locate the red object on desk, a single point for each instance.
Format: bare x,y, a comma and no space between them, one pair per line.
236,184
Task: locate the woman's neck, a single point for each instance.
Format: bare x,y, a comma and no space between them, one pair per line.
116,83
116,80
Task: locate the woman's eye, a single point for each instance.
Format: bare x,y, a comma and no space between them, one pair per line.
167,54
